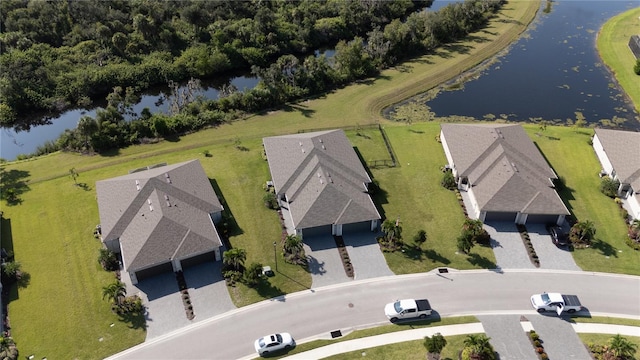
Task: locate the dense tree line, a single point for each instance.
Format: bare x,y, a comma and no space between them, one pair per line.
57,54
286,79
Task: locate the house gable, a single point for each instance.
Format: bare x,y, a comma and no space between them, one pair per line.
159,214
321,177
504,169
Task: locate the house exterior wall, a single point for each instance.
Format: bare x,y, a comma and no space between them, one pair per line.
447,153
475,207
602,157
634,204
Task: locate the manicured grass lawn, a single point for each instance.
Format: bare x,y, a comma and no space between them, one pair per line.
385,329
612,44
412,192
603,339
569,152
409,350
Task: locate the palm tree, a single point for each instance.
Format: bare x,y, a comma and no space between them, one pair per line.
293,245
480,347
584,231
114,292
392,230
621,347
235,258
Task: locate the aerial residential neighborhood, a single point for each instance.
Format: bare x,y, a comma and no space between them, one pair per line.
243,180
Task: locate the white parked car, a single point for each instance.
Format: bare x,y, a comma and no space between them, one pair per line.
274,342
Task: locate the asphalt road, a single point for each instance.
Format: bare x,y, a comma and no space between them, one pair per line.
316,312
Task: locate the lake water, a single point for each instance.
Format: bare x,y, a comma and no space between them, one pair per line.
551,72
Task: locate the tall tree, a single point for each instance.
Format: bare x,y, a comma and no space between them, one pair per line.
235,258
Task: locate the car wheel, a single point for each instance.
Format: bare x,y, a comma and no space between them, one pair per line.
422,316
571,311
540,311
286,347
393,320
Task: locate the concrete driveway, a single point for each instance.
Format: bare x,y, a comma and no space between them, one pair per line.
366,256
510,252
161,296
326,266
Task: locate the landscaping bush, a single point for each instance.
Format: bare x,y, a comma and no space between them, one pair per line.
609,186
108,260
448,181
270,201
582,233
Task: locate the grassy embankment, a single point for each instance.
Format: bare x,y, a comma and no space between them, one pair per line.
612,44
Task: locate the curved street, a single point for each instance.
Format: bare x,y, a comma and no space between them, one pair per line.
316,312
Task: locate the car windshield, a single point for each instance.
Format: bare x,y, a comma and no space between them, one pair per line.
545,298
279,338
397,306
261,342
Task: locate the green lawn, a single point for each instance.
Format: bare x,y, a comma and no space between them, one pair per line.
569,152
409,350
612,44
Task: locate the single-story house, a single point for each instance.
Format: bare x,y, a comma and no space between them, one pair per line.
160,218
619,155
503,172
320,180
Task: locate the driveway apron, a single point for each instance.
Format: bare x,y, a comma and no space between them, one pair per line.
325,264
560,340
165,309
551,256
508,246
508,337
366,256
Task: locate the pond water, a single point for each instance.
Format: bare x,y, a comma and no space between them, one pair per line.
14,143
550,73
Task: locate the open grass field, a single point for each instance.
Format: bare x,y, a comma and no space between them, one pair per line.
60,314
612,44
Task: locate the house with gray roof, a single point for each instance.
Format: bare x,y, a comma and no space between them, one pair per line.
503,173
160,218
320,180
619,155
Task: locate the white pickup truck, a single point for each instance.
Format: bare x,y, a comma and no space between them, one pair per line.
556,302
407,309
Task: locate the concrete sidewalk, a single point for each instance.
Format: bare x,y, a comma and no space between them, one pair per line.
447,330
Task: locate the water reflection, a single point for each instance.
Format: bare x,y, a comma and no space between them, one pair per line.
552,73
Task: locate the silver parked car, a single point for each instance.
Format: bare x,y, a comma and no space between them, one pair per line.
274,342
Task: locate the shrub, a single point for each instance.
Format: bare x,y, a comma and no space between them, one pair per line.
108,260
270,201
420,237
609,187
448,181
252,275
636,67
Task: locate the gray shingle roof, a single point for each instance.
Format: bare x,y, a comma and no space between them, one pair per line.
159,214
623,151
322,178
504,167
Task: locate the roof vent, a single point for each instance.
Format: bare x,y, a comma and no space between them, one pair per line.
151,207
166,197
300,142
514,167
324,148
149,201
302,150
137,185
167,177
318,174
320,140
321,181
